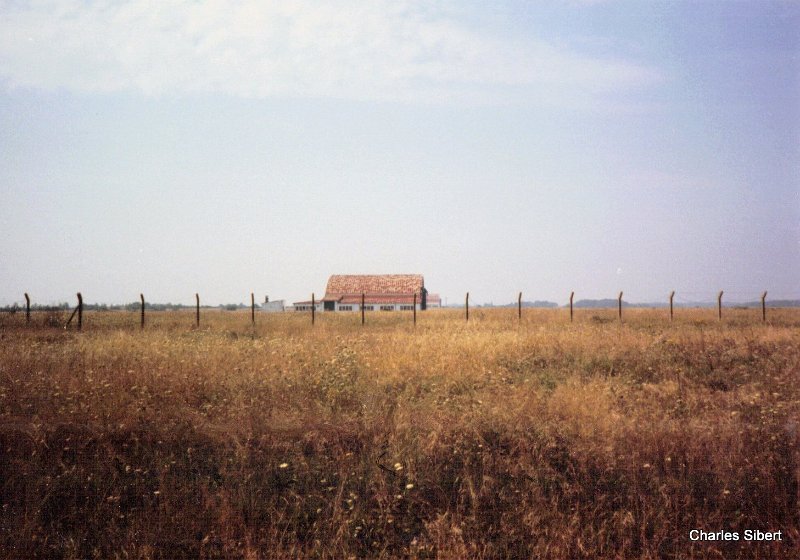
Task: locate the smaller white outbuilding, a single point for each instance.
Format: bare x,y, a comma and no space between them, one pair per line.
277,306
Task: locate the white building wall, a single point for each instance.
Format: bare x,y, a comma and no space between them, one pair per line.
376,307
353,307
307,307
277,306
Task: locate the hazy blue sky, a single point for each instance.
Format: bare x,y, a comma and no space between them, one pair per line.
230,147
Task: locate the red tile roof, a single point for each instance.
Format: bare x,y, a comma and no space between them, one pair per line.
380,285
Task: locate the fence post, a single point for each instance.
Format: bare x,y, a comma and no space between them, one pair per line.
197,309
363,298
313,308
141,320
671,295
519,307
252,308
415,309
27,308
467,306
719,305
571,295
764,307
80,311
71,317
619,303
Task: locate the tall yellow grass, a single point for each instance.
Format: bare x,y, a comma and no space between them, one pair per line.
488,439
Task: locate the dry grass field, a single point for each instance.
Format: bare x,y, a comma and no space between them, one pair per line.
490,439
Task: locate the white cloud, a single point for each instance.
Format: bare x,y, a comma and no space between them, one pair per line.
344,49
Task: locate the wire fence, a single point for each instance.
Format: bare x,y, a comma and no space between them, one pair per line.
675,300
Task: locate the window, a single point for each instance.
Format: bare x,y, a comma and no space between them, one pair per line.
387,307
406,308
345,308
369,308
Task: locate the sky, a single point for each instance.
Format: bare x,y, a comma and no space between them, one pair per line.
225,148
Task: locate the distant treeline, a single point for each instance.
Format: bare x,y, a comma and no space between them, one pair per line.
582,303
612,303
536,303
133,306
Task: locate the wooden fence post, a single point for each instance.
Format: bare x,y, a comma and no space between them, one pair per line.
363,298
571,295
252,308
141,320
415,309
719,305
764,307
27,308
197,309
619,303
313,308
467,306
80,311
71,317
519,307
671,295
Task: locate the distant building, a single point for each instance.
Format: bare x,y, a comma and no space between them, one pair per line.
381,292
277,306
434,300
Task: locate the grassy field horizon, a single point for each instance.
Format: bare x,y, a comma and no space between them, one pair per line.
495,438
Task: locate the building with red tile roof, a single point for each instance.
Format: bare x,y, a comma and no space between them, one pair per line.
384,292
